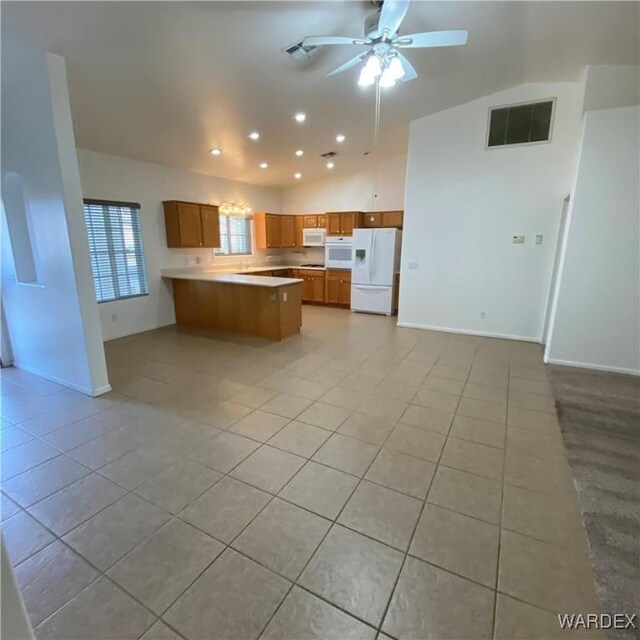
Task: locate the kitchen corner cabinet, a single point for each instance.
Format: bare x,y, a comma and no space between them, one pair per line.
343,223
190,225
268,230
338,287
274,231
383,219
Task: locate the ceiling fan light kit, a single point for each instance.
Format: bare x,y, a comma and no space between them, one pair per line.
384,64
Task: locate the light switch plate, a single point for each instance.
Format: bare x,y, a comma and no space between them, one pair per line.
539,239
518,240
413,265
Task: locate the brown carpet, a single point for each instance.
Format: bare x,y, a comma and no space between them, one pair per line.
600,417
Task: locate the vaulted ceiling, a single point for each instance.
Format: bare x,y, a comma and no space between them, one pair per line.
164,82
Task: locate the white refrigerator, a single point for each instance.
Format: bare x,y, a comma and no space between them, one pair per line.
375,262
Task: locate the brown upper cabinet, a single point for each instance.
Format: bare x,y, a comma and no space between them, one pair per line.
299,227
392,219
309,222
383,219
274,231
191,225
288,231
268,230
322,221
343,223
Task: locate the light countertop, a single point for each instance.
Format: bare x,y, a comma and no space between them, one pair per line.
243,278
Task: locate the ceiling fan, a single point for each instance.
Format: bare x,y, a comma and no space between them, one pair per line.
383,61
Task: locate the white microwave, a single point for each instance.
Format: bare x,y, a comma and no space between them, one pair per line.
338,252
313,237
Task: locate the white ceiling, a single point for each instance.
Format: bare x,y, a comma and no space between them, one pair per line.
165,81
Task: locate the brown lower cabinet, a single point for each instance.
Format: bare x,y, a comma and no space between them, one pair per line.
338,287
312,284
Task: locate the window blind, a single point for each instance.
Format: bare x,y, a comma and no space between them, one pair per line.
116,249
235,236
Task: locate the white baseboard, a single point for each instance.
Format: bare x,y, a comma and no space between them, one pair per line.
469,332
64,383
588,365
139,330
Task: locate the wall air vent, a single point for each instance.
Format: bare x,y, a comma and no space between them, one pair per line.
299,52
520,123
329,154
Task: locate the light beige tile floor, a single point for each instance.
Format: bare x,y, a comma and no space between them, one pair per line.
357,481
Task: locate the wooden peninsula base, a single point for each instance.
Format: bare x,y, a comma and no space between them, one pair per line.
251,305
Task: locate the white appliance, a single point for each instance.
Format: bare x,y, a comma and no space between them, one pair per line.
313,237
376,260
338,252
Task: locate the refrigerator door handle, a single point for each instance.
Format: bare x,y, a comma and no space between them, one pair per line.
370,263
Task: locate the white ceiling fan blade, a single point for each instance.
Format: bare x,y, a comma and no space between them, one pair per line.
320,41
392,14
432,39
409,72
349,63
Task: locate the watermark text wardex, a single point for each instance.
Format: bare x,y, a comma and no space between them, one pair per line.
598,621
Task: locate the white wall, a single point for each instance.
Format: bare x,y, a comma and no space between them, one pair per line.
596,316
465,202
611,87
108,177
379,187
53,321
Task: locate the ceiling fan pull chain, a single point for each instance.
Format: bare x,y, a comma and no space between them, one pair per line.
377,117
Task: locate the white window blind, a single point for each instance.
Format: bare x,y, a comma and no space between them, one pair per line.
116,248
235,236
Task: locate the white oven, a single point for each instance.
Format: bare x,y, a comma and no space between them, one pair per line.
338,252
313,237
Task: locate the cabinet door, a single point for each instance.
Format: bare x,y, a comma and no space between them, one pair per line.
332,290
307,289
349,221
210,226
344,295
372,220
334,224
318,289
288,231
322,222
310,222
273,231
189,224
392,219
299,226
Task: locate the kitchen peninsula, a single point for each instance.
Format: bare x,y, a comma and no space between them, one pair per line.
267,307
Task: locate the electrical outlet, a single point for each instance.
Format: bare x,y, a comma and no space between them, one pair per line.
414,265
284,296
483,315
539,239
518,240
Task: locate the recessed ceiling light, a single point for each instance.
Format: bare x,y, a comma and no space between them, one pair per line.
263,165
216,151
297,176
254,135
340,137
330,165
299,153
301,116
